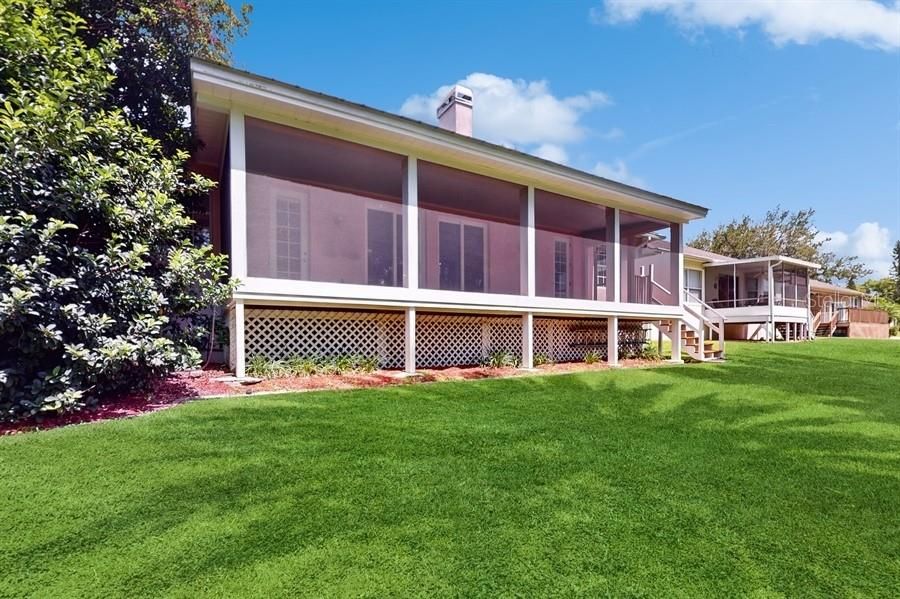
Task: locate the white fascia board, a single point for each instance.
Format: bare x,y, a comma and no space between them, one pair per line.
215,85
764,259
289,293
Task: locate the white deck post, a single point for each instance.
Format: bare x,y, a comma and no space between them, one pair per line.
237,194
527,259
527,341
770,326
237,337
411,222
410,343
676,341
615,256
237,204
677,245
612,340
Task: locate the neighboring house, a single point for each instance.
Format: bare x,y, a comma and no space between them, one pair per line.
842,312
800,307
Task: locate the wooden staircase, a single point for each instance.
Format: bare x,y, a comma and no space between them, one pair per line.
691,343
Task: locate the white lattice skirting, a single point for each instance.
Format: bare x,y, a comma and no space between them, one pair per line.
441,339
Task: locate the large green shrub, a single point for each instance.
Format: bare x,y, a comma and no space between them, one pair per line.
99,283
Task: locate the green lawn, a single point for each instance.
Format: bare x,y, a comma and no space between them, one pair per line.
777,473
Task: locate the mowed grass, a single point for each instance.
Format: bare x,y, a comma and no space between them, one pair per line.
775,474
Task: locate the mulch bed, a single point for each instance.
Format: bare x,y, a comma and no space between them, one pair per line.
185,386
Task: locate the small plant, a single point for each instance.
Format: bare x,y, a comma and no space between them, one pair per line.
367,364
543,359
591,357
650,352
501,359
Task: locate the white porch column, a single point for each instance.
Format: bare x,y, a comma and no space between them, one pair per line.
237,337
411,223
614,257
527,243
237,200
410,343
528,340
770,326
676,341
612,340
676,248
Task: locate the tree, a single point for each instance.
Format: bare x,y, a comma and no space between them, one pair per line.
156,40
99,282
883,287
785,233
895,272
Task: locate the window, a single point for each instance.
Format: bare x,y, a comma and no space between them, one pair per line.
693,283
461,256
561,268
600,266
384,248
290,254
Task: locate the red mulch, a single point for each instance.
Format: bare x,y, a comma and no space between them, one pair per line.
184,386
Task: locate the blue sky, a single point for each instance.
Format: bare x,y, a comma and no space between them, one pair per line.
737,106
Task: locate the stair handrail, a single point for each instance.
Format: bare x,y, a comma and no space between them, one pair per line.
719,330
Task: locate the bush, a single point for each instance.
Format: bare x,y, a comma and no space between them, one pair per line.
500,359
542,359
100,286
592,357
260,366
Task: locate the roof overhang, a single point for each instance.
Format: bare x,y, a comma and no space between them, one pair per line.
219,87
765,259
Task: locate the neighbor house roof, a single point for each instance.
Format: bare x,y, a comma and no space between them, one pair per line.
279,91
831,288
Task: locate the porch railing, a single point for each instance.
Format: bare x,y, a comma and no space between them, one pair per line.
709,317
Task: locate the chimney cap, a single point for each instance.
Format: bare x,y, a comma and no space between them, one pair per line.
458,94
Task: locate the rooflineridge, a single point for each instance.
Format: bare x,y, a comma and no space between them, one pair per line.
785,259
216,70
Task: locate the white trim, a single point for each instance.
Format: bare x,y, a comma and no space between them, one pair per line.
786,259
288,292
237,186
677,231
411,223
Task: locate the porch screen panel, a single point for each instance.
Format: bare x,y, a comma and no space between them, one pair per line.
469,231
649,268
322,209
571,248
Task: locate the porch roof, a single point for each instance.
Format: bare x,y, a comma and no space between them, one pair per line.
228,85
765,259
822,286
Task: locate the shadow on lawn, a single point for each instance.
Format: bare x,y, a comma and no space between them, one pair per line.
462,480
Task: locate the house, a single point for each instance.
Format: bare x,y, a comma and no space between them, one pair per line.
800,308
843,312
359,232
355,231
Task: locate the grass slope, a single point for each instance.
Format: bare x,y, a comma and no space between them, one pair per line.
777,473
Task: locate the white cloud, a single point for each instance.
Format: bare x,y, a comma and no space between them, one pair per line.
869,241
865,22
612,134
552,152
515,112
617,171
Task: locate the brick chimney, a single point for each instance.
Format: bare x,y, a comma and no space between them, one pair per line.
455,112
